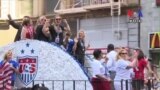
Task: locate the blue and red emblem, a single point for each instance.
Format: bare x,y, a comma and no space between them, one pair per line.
28,67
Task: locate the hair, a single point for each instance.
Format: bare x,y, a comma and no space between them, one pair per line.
97,53
119,53
57,15
25,88
26,21
81,31
68,33
110,47
42,17
140,54
6,54
39,87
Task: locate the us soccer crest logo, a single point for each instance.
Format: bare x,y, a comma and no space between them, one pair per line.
27,57
28,66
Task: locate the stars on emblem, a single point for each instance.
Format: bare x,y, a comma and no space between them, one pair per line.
22,51
32,51
27,44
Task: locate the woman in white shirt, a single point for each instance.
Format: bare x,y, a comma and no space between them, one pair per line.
99,80
124,71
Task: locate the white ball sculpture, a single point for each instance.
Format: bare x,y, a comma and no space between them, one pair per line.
41,62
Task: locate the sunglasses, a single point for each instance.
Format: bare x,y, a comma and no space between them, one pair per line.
58,19
123,53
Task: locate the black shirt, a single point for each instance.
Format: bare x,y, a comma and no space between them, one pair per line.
80,50
40,36
54,35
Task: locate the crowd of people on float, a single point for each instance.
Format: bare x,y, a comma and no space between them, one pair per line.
108,70
44,30
53,32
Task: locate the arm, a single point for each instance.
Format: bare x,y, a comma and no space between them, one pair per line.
23,34
67,28
102,77
149,68
15,70
110,62
53,33
38,32
132,64
12,23
61,39
75,44
15,67
87,47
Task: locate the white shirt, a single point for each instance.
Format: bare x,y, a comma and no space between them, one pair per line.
104,64
97,68
121,70
111,64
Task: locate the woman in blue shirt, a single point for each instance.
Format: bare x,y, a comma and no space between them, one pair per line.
68,43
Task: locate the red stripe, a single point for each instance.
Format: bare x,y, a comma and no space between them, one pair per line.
4,67
5,79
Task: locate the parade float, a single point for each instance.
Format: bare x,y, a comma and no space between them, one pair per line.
41,62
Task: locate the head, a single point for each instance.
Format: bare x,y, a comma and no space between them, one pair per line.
24,88
97,54
123,54
140,54
110,47
8,55
47,22
26,21
58,19
68,35
39,87
42,20
81,34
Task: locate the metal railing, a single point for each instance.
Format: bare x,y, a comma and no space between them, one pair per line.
75,84
68,4
85,84
64,84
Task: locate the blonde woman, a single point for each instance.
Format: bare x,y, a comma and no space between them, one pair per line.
79,47
123,70
13,65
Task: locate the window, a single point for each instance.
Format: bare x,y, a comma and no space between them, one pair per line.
24,7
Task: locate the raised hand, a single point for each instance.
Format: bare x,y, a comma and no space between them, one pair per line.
65,21
75,40
9,17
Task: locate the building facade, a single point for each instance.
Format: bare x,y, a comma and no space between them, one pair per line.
104,21
151,25
100,20
102,26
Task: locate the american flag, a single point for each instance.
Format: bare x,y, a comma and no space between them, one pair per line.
5,76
